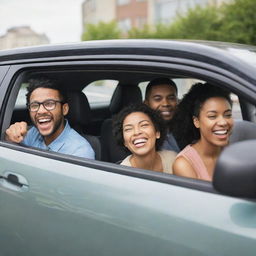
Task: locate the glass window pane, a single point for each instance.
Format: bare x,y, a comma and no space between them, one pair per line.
100,91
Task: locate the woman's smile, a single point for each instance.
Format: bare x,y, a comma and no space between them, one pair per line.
139,133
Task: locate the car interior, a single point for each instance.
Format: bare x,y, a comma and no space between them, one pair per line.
95,96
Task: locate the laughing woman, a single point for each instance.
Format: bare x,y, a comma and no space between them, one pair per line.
141,130
203,122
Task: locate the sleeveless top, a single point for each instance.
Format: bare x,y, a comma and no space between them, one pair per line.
192,156
167,158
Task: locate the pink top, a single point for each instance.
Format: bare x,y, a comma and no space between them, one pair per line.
192,156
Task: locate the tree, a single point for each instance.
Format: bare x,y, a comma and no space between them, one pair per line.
233,22
199,23
101,31
145,32
239,22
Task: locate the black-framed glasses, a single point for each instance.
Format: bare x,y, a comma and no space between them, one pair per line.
48,105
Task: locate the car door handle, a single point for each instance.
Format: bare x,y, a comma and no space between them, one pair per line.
14,181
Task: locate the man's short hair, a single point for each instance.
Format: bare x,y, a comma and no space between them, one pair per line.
159,81
44,82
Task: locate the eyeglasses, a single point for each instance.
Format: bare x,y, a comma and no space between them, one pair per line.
48,105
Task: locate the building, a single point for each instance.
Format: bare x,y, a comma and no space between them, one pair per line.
127,13
165,11
137,13
131,14
95,11
20,37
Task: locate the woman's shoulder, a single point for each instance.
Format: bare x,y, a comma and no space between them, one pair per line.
185,150
167,157
182,167
189,153
126,161
181,162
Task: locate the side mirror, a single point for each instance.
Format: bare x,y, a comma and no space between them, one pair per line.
235,171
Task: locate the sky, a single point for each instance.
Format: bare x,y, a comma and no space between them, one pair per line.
60,20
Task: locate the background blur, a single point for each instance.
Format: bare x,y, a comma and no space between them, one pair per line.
35,22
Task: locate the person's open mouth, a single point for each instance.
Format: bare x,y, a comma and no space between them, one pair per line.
139,142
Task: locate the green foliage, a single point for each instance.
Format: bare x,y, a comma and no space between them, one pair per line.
159,31
101,31
233,22
145,32
199,23
239,22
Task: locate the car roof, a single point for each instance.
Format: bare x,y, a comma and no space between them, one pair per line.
125,46
234,57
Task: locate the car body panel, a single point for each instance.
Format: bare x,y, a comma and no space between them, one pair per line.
77,208
73,206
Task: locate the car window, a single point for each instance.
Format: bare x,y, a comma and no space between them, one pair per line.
100,92
97,92
21,98
184,84
236,109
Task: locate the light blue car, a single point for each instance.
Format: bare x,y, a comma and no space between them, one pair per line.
56,204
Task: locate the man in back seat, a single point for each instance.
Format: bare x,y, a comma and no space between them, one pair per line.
47,105
161,95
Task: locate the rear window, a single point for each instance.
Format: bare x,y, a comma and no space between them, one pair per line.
100,92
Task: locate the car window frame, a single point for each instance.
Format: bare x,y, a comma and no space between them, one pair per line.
159,68
95,105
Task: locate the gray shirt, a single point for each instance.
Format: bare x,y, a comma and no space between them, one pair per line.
170,143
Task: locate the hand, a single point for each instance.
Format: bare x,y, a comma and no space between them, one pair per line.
16,132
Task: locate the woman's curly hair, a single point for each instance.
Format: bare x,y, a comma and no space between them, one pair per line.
182,125
154,116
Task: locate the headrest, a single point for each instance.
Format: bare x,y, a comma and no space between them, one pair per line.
123,96
79,109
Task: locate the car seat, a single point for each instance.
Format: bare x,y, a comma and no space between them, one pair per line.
123,95
79,116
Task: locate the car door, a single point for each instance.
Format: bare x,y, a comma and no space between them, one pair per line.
60,207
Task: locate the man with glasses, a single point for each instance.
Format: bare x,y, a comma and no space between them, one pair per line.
47,105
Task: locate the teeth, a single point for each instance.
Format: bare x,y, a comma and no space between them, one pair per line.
165,113
222,132
139,141
44,120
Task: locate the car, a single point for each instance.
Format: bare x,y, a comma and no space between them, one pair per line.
56,204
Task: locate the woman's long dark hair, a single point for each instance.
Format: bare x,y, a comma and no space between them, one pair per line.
182,125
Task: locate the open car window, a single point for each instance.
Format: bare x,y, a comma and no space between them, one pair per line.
99,86
99,92
184,84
